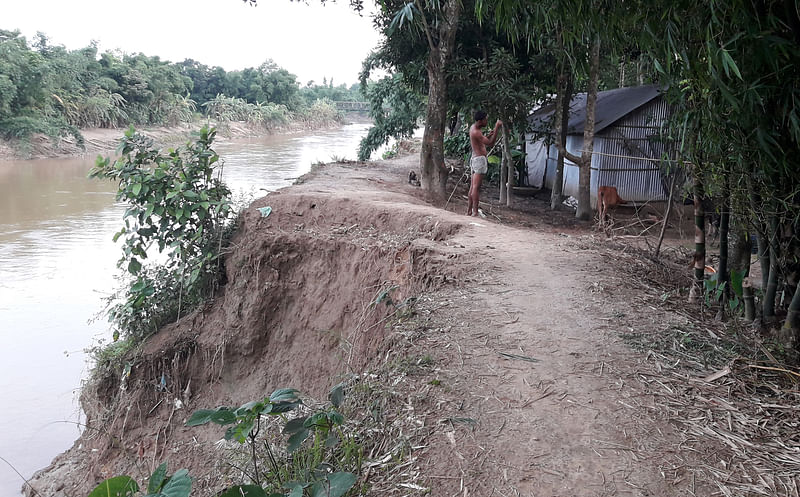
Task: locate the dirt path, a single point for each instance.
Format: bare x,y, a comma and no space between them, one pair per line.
537,373
528,365
542,376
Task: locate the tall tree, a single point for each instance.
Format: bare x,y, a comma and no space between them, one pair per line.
564,89
395,110
437,22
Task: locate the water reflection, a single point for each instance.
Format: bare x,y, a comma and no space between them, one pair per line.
57,262
274,162
54,259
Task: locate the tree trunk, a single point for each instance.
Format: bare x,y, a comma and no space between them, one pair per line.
562,123
763,257
740,251
749,301
455,124
432,167
741,255
723,275
699,262
771,289
503,172
793,317
640,70
757,208
584,210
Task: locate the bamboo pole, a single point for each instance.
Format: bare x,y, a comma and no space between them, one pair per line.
666,214
509,166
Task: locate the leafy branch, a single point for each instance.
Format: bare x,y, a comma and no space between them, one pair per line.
323,426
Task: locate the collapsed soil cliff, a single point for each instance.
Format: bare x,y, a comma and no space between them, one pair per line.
301,306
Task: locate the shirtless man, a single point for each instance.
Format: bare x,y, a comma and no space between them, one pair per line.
479,164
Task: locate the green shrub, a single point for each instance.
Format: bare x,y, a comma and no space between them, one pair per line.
229,109
178,205
457,145
321,113
23,127
159,484
316,451
395,110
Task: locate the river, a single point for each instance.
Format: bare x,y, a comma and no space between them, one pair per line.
57,263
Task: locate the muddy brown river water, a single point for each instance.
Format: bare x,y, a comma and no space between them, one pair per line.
57,263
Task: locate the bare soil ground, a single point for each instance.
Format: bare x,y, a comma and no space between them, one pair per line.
521,354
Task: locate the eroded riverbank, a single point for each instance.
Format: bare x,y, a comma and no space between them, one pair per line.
57,263
105,140
480,356
486,370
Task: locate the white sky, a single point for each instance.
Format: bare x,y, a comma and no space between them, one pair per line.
309,40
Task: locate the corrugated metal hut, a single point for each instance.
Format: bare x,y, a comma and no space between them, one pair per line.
627,146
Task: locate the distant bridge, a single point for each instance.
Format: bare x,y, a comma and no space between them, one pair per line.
353,106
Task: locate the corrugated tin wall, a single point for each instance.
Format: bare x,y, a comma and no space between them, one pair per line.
616,159
635,135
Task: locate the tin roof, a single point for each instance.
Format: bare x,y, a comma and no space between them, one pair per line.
612,105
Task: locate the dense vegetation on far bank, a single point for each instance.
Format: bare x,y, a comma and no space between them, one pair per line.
45,88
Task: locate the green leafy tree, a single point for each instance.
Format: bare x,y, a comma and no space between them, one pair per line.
395,110
207,82
45,88
454,75
312,92
732,73
436,23
26,102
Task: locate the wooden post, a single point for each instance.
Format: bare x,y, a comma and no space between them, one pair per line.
509,166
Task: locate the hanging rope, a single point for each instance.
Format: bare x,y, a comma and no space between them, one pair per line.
649,159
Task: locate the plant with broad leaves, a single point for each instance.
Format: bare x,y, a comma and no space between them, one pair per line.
177,202
714,290
246,419
318,478
160,484
395,109
174,200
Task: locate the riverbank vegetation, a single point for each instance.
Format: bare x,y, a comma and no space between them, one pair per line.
179,207
45,88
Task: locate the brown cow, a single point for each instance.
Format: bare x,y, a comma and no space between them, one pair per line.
607,197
